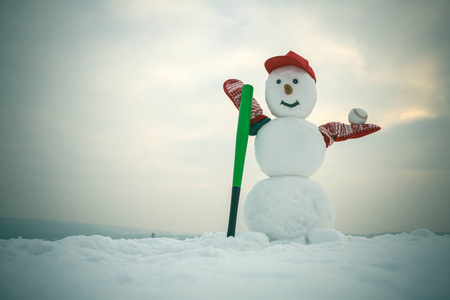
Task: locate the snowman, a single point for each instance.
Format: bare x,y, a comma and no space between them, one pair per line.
289,149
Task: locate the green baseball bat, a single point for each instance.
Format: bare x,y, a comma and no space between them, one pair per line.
243,128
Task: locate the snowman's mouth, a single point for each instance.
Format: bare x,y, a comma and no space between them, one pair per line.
290,104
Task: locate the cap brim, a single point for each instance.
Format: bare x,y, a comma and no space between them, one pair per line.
281,61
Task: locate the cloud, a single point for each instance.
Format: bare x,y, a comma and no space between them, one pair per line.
117,107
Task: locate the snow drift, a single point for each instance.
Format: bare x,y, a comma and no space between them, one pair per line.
404,266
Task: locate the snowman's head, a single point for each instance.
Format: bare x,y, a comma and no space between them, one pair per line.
290,92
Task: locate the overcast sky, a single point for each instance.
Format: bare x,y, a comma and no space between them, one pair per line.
112,112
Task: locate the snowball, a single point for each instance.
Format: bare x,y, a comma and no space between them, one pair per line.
290,91
289,146
287,207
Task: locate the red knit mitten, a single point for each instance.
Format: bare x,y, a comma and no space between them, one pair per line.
338,132
233,89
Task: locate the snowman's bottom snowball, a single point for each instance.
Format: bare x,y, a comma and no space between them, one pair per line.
286,207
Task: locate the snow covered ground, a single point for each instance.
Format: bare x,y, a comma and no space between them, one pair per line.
403,266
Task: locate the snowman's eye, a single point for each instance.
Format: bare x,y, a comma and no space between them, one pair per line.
279,81
295,81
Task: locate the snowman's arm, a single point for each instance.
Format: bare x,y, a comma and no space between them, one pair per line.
233,89
338,132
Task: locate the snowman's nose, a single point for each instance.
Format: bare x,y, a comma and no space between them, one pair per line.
288,89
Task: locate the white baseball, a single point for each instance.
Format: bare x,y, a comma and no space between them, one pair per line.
357,116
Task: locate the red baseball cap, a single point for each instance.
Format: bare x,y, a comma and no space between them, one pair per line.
290,59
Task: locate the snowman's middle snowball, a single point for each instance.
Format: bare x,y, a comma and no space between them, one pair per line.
289,146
